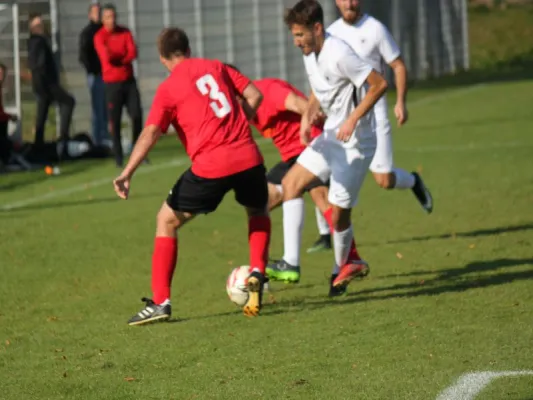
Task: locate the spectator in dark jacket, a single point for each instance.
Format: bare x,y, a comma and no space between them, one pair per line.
116,50
90,61
45,82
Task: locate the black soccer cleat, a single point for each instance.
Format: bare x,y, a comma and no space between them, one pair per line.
422,194
151,313
322,244
254,304
336,291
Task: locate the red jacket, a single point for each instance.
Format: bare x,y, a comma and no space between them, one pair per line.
116,51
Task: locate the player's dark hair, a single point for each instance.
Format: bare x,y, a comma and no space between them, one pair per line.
109,7
232,66
306,13
173,42
3,67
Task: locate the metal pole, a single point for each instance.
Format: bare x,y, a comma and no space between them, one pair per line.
16,59
230,45
282,39
55,49
199,28
133,29
166,13
257,40
466,46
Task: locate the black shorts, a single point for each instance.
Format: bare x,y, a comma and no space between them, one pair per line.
197,195
278,171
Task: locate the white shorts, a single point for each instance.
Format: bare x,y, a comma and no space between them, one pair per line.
382,163
345,168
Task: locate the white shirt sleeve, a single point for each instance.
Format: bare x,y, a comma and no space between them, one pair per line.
387,46
351,66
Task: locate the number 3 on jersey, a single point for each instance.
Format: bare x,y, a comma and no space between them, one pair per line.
220,104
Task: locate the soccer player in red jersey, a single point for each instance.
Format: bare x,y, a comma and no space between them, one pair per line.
278,118
199,99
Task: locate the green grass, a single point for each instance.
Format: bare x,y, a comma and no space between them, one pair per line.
448,294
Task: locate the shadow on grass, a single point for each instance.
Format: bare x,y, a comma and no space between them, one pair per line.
448,281
475,233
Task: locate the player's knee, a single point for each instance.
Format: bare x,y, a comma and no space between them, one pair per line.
385,181
340,218
167,219
291,187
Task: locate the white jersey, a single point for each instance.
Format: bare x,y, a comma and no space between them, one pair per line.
370,39
336,77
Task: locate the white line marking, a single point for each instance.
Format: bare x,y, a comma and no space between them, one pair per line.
181,161
468,386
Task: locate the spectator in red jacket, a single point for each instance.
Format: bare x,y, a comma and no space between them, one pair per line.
116,50
5,144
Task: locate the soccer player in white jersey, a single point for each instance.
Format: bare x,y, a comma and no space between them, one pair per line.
343,152
371,40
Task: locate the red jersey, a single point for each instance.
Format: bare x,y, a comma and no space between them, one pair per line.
116,51
198,99
274,121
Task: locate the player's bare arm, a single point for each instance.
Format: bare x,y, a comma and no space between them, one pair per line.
400,77
377,86
146,141
311,116
295,103
252,100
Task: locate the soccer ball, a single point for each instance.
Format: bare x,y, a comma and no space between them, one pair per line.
236,285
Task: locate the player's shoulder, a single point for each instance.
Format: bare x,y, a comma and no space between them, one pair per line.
335,47
270,81
335,26
372,23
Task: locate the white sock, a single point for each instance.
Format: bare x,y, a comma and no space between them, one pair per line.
342,242
167,301
335,270
321,223
293,223
404,179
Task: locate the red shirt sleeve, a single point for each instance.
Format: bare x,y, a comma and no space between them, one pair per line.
131,48
161,112
277,93
239,80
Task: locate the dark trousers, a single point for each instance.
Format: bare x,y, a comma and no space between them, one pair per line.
119,95
5,144
54,94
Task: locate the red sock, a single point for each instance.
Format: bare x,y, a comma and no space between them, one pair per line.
163,264
353,255
259,240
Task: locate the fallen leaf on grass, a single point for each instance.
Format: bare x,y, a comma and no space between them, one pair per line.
129,379
64,374
52,318
399,255
230,262
58,350
472,246
8,342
